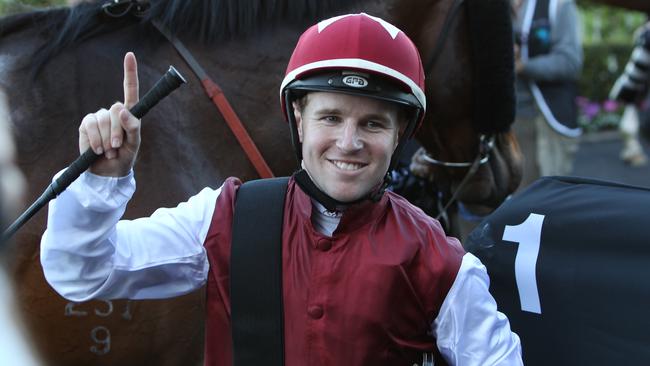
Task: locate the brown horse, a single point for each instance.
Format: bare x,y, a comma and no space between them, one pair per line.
59,64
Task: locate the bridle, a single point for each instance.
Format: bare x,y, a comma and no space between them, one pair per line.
486,145
120,8
486,142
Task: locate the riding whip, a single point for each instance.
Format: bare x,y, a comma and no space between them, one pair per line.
169,82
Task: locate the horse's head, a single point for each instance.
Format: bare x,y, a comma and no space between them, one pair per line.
466,48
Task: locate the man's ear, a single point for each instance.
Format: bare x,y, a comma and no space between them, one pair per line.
297,114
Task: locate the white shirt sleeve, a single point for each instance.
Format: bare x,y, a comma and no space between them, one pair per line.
469,330
87,253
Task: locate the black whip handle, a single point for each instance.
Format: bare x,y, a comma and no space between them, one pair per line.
165,85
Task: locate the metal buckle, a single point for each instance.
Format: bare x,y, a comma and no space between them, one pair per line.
486,144
120,8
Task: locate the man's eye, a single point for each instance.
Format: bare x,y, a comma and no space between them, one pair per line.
374,124
331,118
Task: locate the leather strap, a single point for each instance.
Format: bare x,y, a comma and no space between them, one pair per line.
257,313
219,99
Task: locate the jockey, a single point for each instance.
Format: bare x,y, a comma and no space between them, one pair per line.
367,278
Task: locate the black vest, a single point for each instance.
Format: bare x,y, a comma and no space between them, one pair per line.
555,99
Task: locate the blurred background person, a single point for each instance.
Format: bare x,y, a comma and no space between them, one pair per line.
15,350
548,63
631,88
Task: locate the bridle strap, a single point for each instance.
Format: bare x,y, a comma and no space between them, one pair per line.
486,145
481,158
442,37
120,8
217,96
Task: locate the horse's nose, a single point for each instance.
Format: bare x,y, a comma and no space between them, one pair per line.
349,138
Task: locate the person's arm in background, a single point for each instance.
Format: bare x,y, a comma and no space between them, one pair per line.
564,61
631,87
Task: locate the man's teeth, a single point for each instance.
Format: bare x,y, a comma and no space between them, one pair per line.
347,166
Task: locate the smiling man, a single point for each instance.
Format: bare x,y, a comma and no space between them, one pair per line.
367,278
347,142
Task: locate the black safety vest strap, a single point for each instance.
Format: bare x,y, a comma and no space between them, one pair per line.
256,273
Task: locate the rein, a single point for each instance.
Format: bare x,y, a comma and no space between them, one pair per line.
119,8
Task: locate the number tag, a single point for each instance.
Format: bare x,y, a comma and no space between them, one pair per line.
528,234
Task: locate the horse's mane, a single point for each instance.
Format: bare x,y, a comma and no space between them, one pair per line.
220,19
204,20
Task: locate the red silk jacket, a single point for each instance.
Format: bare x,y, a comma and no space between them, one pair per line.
365,296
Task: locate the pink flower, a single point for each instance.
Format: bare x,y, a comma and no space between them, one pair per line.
591,110
610,105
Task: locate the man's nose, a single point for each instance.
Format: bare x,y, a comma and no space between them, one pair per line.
349,138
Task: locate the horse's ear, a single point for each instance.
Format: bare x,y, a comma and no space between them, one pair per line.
490,25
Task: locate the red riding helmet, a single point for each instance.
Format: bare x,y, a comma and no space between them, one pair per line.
356,54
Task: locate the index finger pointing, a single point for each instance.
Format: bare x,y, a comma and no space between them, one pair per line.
131,86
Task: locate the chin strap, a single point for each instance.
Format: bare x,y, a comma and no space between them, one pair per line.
378,193
306,184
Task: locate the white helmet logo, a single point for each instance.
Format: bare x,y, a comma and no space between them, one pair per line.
355,81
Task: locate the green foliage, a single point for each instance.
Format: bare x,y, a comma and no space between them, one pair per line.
608,39
18,6
606,24
604,63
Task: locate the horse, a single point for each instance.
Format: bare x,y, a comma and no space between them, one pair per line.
59,64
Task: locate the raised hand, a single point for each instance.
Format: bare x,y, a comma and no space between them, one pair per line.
114,132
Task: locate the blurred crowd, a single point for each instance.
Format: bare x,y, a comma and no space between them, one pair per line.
549,62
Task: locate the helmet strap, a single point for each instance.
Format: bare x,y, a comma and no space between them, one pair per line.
293,126
376,194
304,181
403,138
308,186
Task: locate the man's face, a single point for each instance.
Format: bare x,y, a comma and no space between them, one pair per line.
347,142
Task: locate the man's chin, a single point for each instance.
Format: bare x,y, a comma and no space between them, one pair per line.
346,191
345,198
350,194
344,195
